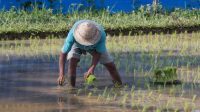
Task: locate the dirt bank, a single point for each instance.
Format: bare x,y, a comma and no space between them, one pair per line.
127,31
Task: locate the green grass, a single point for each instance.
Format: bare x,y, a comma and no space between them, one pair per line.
45,21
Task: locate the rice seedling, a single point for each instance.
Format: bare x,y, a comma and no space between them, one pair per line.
89,94
124,99
78,92
99,96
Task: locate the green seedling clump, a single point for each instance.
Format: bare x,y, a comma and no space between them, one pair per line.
167,74
90,80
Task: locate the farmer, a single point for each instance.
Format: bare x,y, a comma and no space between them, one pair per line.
86,36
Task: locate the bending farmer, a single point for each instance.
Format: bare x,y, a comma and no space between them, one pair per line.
86,36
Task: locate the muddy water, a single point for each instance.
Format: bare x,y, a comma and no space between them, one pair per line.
28,84
32,88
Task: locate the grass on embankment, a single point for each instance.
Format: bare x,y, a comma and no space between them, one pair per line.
44,20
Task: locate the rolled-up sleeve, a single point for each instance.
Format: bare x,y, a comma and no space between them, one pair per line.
101,45
69,41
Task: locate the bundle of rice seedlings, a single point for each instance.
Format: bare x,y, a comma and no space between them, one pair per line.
165,75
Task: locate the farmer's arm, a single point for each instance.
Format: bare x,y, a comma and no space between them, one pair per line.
95,59
63,54
62,60
100,48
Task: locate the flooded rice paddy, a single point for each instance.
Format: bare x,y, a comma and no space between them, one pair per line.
29,70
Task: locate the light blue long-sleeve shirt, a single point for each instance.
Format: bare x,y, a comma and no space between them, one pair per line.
100,46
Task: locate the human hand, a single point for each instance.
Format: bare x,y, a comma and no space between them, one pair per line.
89,72
61,80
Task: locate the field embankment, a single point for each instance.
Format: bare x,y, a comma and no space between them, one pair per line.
42,23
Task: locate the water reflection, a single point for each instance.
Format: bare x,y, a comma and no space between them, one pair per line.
33,88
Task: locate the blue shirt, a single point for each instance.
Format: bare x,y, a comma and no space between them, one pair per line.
100,46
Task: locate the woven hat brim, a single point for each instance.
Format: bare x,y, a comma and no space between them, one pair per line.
83,41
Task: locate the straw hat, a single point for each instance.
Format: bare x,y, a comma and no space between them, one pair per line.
87,33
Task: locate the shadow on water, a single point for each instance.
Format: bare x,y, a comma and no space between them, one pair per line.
135,60
33,79
128,62
19,92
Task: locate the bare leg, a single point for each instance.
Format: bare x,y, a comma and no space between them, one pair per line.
72,71
113,72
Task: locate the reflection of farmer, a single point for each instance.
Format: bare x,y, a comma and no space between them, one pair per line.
86,36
